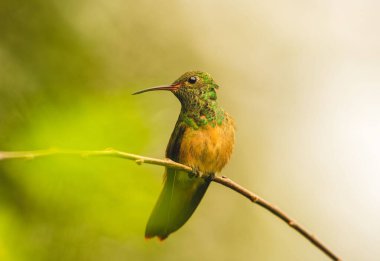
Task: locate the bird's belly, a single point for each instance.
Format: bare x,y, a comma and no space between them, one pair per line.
207,149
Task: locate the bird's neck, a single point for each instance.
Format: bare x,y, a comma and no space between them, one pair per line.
201,113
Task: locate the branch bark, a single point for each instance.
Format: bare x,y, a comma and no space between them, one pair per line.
7,155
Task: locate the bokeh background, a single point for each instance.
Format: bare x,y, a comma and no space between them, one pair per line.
301,78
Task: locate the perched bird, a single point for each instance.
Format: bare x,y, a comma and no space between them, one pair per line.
203,138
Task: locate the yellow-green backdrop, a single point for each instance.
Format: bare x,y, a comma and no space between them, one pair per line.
301,78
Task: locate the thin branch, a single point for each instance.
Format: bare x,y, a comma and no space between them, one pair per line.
6,155
276,211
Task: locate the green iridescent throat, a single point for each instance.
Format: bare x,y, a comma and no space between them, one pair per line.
208,114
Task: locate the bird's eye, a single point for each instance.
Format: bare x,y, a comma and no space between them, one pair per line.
192,79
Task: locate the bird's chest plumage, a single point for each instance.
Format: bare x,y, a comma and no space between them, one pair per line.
208,148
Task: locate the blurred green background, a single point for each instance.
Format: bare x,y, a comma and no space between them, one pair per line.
301,78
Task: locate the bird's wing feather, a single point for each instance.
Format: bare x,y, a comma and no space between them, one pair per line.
179,197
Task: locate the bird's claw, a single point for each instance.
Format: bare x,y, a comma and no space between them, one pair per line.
211,177
195,173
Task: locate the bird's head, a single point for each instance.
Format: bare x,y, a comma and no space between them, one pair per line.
193,88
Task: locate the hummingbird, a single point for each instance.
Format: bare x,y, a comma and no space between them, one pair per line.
203,139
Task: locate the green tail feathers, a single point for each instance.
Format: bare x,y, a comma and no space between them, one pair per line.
177,202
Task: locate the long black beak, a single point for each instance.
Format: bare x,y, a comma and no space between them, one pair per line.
172,87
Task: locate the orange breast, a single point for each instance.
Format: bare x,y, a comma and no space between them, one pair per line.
209,148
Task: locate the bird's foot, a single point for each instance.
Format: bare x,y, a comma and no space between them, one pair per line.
195,173
210,177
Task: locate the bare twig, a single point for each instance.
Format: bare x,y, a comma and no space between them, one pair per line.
276,211
5,155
